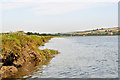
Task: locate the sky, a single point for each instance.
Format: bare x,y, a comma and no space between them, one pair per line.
52,16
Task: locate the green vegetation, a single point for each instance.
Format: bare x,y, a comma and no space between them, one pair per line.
16,44
44,34
98,32
19,49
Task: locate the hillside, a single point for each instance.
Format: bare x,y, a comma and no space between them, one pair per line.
102,31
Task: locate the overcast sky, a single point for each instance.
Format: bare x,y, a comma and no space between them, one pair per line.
58,15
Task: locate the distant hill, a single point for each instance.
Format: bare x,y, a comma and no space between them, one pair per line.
95,32
102,31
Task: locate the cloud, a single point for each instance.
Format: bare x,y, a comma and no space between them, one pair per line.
51,7
58,8
46,1
8,6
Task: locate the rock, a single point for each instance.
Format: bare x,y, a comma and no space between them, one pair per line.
8,71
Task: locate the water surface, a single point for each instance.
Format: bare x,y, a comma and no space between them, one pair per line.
81,57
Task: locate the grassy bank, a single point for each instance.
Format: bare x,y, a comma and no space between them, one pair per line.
18,49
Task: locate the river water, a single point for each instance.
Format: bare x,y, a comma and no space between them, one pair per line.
81,57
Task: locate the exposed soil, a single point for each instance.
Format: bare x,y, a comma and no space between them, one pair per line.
24,62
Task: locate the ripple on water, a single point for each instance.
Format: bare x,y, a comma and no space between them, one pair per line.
82,57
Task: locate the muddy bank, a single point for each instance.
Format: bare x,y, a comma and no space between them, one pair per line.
20,53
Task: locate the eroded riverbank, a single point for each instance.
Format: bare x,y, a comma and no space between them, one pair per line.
20,54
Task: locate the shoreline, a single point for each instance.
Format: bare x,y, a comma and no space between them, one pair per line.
20,54
21,51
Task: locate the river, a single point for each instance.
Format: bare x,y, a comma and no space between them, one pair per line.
81,57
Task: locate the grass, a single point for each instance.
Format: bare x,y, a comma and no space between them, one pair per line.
14,43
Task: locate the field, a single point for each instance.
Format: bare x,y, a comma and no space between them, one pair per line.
102,31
